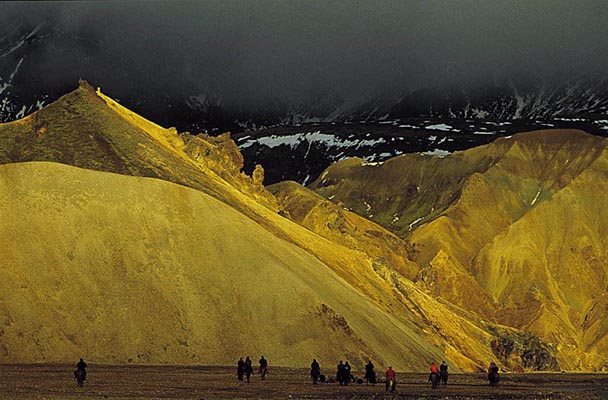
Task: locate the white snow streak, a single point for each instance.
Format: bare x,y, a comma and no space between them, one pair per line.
535,197
414,223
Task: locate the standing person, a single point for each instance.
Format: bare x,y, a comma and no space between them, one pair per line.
346,373
315,371
340,373
443,373
263,367
240,369
434,376
248,368
493,375
370,374
391,379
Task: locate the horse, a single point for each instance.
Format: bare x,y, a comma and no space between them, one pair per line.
370,377
391,385
263,371
434,378
80,375
493,378
443,375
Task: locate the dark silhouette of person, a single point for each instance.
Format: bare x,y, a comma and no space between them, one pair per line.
240,369
493,376
81,366
315,371
248,368
346,373
370,374
263,367
81,372
340,373
391,379
443,373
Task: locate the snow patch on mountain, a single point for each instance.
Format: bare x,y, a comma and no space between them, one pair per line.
294,140
436,152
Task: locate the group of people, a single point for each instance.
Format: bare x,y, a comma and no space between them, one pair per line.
245,368
438,374
343,376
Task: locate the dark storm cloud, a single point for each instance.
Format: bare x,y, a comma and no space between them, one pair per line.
263,49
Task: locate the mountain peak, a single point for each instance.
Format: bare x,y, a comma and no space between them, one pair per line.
88,129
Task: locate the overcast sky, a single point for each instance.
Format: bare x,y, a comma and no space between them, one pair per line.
271,48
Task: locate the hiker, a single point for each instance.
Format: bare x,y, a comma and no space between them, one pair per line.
434,376
443,373
391,381
263,367
346,373
248,368
493,376
315,371
370,374
340,373
240,369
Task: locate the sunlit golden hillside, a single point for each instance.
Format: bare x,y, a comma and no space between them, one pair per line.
129,243
515,231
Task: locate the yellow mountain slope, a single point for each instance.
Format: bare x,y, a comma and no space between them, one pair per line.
463,335
98,251
515,232
122,268
344,227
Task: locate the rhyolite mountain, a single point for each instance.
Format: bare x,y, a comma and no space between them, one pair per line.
513,231
126,242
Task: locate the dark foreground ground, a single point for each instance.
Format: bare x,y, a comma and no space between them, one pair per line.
173,382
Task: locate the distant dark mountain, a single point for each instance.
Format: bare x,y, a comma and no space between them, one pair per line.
293,138
38,63
302,152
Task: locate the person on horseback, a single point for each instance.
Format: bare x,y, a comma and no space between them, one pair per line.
315,371
391,379
240,369
248,368
443,373
340,373
346,373
263,367
434,376
81,372
370,374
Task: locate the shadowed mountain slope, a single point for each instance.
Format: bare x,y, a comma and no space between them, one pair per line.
503,230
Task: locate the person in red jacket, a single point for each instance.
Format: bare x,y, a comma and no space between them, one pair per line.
391,382
434,376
